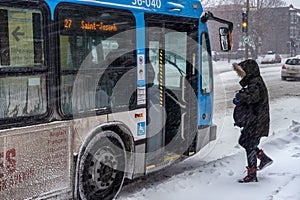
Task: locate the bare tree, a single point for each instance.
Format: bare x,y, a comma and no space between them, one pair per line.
253,3
268,3
257,23
258,26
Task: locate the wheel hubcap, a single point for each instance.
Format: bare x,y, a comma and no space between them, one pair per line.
102,169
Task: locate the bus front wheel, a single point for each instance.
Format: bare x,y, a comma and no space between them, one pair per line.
102,167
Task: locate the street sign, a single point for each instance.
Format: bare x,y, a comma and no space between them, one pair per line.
246,39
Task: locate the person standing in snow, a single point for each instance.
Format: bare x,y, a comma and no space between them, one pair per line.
251,113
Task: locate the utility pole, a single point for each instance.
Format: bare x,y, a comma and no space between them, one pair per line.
247,30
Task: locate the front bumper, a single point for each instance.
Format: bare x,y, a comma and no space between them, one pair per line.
205,135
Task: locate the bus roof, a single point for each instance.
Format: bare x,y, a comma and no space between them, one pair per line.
183,8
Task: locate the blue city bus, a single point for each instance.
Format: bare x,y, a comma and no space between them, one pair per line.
93,92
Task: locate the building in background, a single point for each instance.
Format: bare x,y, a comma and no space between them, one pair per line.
270,29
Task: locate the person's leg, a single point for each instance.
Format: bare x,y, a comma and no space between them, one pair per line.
251,157
250,145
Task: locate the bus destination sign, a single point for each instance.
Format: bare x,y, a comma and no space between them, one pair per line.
90,26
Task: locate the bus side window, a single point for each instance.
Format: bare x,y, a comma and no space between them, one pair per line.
21,38
22,95
93,62
206,66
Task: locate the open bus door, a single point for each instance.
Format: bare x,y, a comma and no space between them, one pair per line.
172,88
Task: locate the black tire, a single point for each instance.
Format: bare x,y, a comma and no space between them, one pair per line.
283,78
102,167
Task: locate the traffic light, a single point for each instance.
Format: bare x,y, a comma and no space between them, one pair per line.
293,44
245,22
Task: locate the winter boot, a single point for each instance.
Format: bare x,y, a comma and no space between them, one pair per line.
251,176
264,160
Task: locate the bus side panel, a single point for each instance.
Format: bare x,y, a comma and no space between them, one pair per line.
136,122
83,126
35,161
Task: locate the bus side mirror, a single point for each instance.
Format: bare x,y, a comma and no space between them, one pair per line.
225,38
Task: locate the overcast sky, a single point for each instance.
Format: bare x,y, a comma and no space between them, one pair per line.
296,3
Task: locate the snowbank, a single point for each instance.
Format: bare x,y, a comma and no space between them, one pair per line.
212,174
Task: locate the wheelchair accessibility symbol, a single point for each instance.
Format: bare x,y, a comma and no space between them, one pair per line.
141,128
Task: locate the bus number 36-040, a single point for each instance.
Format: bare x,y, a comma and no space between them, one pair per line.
147,3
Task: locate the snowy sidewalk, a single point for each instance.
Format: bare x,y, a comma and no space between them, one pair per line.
214,176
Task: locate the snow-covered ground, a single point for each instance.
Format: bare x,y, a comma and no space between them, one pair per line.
212,174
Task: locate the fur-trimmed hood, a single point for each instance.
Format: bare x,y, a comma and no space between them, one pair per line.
239,70
247,70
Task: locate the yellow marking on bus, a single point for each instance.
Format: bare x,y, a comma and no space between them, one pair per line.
150,167
161,80
191,153
171,157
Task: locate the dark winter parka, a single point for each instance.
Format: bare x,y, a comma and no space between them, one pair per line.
253,100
